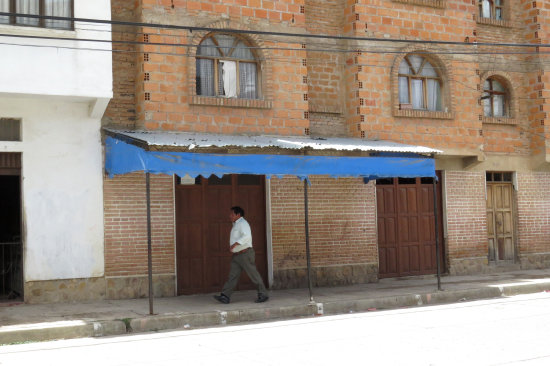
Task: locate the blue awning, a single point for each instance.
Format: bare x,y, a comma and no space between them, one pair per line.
123,157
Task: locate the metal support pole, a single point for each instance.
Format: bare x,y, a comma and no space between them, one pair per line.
149,249
306,214
437,250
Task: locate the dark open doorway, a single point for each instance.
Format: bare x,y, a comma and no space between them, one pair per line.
11,245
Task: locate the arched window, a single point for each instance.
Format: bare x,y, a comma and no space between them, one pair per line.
492,9
495,99
419,84
226,67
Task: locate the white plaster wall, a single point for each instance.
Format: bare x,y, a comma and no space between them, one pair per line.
72,68
62,187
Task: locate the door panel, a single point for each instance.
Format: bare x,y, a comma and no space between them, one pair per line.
203,228
500,224
406,228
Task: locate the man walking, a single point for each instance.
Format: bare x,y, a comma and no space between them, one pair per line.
240,244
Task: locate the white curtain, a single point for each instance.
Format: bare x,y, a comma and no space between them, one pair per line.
58,8
27,7
487,107
229,69
404,90
434,95
247,80
498,105
485,9
205,77
5,8
417,86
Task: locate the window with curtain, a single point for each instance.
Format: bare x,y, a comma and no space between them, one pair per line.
492,9
419,84
226,67
495,99
58,8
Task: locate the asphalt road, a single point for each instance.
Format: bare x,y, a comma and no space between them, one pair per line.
511,331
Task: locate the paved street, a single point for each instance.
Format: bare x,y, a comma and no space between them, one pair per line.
506,331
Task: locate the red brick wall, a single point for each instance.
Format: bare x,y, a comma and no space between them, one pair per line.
466,214
533,213
121,110
126,225
342,222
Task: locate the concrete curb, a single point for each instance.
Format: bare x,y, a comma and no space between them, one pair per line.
101,328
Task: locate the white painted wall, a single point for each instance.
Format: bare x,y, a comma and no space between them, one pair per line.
62,169
59,89
69,68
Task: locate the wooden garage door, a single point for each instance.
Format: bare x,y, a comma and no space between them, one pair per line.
406,227
203,227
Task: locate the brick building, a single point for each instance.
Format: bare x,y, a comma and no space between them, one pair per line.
422,72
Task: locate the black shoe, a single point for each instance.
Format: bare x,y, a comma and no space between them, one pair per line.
261,298
222,298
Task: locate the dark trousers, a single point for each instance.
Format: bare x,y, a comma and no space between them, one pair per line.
243,261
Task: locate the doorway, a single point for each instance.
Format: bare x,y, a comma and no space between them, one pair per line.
203,227
500,217
406,226
11,244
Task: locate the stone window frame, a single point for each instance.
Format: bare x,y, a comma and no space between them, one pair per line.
505,79
440,62
440,4
264,70
504,22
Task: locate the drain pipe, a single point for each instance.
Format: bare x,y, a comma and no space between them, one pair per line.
149,249
437,250
308,256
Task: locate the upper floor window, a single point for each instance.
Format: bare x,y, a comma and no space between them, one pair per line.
59,8
495,99
226,67
492,9
419,84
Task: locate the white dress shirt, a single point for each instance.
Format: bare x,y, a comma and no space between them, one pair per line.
240,233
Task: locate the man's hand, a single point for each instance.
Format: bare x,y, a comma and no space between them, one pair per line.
233,247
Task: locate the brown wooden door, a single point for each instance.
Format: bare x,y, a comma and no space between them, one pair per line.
203,227
406,227
500,225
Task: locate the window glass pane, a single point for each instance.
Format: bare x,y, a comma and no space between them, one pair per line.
489,177
434,95
426,180
27,7
497,177
5,8
417,86
498,86
208,48
404,68
498,14
223,181
487,85
404,90
225,42
498,2
221,91
407,180
498,105
205,77
243,52
506,177
384,181
247,80
428,70
416,61
59,8
249,180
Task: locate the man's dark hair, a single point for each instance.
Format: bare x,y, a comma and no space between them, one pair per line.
237,210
